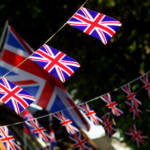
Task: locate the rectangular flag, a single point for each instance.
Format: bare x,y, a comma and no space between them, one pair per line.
35,128
55,62
47,89
14,96
7,139
95,24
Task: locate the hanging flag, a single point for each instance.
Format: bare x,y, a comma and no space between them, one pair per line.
131,96
80,142
111,104
35,128
95,24
66,122
136,112
35,80
55,62
108,125
7,139
90,114
146,82
136,135
133,101
14,96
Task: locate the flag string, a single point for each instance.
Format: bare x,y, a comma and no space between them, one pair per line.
88,101
14,68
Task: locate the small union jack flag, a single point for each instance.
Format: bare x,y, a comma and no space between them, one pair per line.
55,62
66,122
108,125
14,96
136,112
131,96
146,82
7,139
37,130
136,135
111,104
95,24
80,142
90,113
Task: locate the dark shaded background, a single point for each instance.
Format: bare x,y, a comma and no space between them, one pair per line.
103,68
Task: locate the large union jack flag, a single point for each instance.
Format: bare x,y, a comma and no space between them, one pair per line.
90,114
80,142
7,139
111,104
37,130
108,125
95,24
136,135
49,92
55,62
14,96
66,122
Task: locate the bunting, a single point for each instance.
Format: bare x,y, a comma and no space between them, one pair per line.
66,122
7,139
133,102
35,128
136,135
55,62
108,125
111,104
90,114
14,96
61,67
95,24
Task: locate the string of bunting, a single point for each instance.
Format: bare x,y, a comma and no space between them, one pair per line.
96,98
99,26
105,121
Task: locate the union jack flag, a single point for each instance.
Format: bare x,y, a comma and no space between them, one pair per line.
37,130
131,96
136,135
7,139
146,82
90,113
55,62
80,142
95,24
48,90
14,96
134,110
108,125
66,122
111,104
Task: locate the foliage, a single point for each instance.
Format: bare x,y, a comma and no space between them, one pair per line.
103,68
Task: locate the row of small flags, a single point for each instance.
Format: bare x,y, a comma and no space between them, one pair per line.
77,137
62,67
